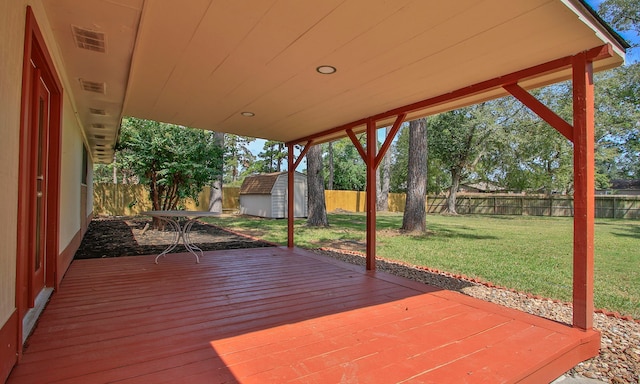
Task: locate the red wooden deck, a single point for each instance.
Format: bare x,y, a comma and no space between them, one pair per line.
276,315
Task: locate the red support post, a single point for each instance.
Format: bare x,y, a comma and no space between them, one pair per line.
584,199
372,145
291,169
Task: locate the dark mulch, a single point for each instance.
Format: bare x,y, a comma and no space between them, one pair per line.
125,236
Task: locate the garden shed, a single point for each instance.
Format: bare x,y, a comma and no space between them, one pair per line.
265,195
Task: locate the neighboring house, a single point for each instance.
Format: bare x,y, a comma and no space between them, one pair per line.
622,187
481,187
265,195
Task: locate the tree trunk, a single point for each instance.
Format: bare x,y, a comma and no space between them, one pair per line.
215,197
317,210
453,191
382,182
330,180
115,170
414,218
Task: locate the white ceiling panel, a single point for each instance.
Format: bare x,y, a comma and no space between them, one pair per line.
200,63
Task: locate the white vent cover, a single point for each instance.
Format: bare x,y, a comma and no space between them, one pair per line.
97,111
88,39
93,86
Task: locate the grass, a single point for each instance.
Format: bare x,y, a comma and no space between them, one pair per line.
530,254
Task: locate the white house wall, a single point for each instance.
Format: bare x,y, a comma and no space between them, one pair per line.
12,30
72,139
12,24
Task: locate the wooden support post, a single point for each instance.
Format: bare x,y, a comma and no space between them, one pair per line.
584,199
372,145
291,169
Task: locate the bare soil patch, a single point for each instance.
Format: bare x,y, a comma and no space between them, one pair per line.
125,236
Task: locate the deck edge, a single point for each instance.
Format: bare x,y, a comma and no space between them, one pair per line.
555,365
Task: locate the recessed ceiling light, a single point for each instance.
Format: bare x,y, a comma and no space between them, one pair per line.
247,114
326,69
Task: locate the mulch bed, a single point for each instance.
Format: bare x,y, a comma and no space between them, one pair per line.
125,236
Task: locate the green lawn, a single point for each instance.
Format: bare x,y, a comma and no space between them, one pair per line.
531,254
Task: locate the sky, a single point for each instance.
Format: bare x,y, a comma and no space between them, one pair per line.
633,56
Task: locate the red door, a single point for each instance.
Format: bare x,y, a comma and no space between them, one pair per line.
40,147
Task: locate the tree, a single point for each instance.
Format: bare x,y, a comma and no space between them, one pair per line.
400,160
623,15
330,165
215,196
383,173
414,217
174,161
317,210
352,173
271,158
524,153
238,158
618,100
617,129
457,139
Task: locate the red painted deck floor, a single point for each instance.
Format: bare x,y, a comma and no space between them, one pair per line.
274,315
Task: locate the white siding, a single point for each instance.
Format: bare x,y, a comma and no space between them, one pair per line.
12,29
70,177
255,205
299,196
12,24
279,197
274,206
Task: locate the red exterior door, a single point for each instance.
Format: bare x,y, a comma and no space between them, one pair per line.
40,121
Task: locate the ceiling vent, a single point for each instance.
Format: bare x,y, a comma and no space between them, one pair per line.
97,111
88,39
92,86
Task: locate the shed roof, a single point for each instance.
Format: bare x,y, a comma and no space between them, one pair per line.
260,184
203,63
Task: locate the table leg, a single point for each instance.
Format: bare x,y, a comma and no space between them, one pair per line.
186,230
175,226
181,232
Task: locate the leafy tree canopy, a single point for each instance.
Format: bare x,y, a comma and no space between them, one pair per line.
174,161
350,171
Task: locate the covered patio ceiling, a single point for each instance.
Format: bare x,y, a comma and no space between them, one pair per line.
203,64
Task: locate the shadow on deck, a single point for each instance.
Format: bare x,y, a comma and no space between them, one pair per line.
276,315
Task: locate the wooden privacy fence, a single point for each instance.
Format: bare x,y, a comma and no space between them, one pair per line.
618,207
126,200
131,199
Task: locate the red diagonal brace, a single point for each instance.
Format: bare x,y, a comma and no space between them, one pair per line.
541,110
302,154
389,139
357,144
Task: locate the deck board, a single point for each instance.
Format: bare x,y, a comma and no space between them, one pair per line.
274,315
